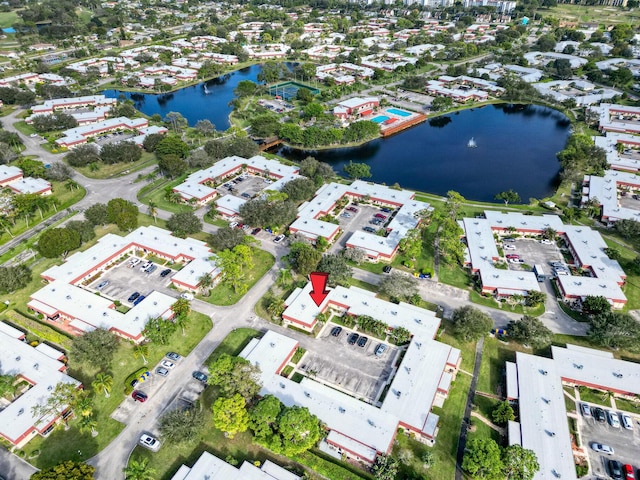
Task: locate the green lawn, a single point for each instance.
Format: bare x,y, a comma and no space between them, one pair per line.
468,349
594,396
494,356
23,128
454,275
446,444
7,19
65,444
65,199
592,13
628,406
115,169
156,192
222,294
490,302
632,286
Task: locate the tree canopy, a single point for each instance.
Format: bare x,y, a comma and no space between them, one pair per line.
508,196
615,330
337,267
482,459
182,426
68,470
123,213
230,415
357,170
95,348
531,331
235,375
58,241
184,223
14,278
398,286
469,323
303,258
226,238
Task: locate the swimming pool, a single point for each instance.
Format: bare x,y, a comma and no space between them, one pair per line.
400,113
380,119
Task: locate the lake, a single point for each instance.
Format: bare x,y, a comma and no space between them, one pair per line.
516,149
516,144
195,102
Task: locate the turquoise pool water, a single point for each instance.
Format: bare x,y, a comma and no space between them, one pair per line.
380,119
400,113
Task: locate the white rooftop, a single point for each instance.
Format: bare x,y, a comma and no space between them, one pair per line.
605,190
41,371
543,418
210,467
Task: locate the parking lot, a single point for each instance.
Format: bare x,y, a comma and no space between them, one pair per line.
356,222
276,105
123,281
625,443
113,138
629,202
354,369
246,188
532,252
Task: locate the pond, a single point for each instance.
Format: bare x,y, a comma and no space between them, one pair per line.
516,145
207,100
516,148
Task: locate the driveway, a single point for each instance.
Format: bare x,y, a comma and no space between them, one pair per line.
13,467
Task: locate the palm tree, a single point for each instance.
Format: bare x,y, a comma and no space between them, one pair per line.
71,185
141,350
88,424
84,407
181,321
284,277
607,396
276,307
104,383
205,282
139,470
153,211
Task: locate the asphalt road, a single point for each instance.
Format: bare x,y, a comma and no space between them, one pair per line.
451,298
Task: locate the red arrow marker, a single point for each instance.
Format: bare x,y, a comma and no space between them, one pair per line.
319,291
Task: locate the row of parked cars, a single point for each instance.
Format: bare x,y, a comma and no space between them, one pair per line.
354,338
613,418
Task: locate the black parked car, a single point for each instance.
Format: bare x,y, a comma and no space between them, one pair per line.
335,331
166,272
353,338
363,341
200,376
133,296
598,413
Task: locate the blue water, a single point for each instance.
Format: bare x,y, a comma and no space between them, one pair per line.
9,30
194,103
400,113
380,119
517,148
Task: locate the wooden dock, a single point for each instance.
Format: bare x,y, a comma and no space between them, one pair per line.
270,144
404,125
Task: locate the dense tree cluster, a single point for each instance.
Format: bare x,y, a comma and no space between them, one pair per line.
57,242
240,146
299,190
531,331
580,156
88,154
226,238
484,459
303,258
53,122
95,348
469,323
14,278
16,96
265,213
184,223
315,136
615,330
182,426
319,172
68,470
123,213
285,430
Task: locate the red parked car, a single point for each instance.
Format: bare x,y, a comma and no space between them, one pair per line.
512,255
380,216
139,396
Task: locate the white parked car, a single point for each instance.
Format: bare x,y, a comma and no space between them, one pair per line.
233,224
626,421
599,447
167,364
152,443
187,296
508,246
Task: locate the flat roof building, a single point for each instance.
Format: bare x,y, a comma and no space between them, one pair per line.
358,429
536,384
586,246
42,368
77,310
210,467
